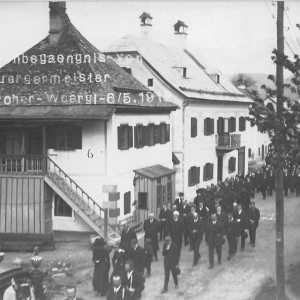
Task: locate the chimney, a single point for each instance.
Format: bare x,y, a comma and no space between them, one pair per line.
146,24
58,21
180,31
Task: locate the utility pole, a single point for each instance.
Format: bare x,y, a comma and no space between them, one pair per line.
280,272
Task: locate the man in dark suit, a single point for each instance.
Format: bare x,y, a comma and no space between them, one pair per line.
128,234
151,228
133,281
220,215
214,237
179,202
171,261
176,230
138,257
196,234
190,218
253,217
117,291
241,217
185,210
164,216
232,232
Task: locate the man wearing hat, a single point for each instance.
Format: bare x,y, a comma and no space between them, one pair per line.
176,230
138,257
253,217
196,235
179,202
232,232
151,228
190,218
171,261
214,238
165,215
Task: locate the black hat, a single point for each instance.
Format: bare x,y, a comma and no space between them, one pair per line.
99,242
181,194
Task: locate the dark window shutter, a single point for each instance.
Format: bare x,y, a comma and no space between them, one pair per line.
244,124
212,126
168,133
130,137
157,134
205,127
198,175
218,126
229,165
204,173
78,137
234,124
190,176
240,124
193,127
145,136
234,164
135,137
211,173
222,125
119,137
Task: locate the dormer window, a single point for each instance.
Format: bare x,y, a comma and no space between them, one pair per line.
184,72
215,77
180,28
150,82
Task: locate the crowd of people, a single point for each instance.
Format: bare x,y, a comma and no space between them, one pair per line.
220,211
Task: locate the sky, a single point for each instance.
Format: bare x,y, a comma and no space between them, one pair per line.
235,37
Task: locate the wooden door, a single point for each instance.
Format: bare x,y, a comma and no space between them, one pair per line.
241,163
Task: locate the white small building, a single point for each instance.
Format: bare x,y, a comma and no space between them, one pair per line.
85,148
211,137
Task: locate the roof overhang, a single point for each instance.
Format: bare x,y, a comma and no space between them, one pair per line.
57,112
154,172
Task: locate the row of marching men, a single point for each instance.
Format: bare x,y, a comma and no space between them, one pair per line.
130,261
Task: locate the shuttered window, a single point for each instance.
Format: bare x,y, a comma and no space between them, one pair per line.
209,126
125,137
194,176
163,133
242,124
139,138
231,164
127,203
208,172
232,125
220,125
193,127
151,135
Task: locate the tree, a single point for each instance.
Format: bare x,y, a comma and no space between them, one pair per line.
283,128
243,79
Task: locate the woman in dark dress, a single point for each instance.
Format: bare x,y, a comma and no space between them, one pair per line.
101,269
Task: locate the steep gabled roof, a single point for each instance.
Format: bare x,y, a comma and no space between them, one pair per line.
71,43
168,63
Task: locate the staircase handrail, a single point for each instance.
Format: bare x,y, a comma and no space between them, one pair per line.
77,186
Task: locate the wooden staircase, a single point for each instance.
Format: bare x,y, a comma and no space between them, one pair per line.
80,201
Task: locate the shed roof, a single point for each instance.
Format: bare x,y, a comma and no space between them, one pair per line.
168,63
71,43
154,172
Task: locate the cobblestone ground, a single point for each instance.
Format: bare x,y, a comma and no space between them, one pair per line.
237,279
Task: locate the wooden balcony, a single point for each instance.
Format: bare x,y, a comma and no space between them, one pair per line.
22,164
227,142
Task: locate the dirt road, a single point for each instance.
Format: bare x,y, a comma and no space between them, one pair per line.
237,279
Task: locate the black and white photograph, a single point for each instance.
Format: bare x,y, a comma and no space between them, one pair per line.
149,150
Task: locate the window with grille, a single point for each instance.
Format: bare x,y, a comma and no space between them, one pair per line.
67,138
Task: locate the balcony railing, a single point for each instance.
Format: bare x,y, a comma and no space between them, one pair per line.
22,164
228,141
